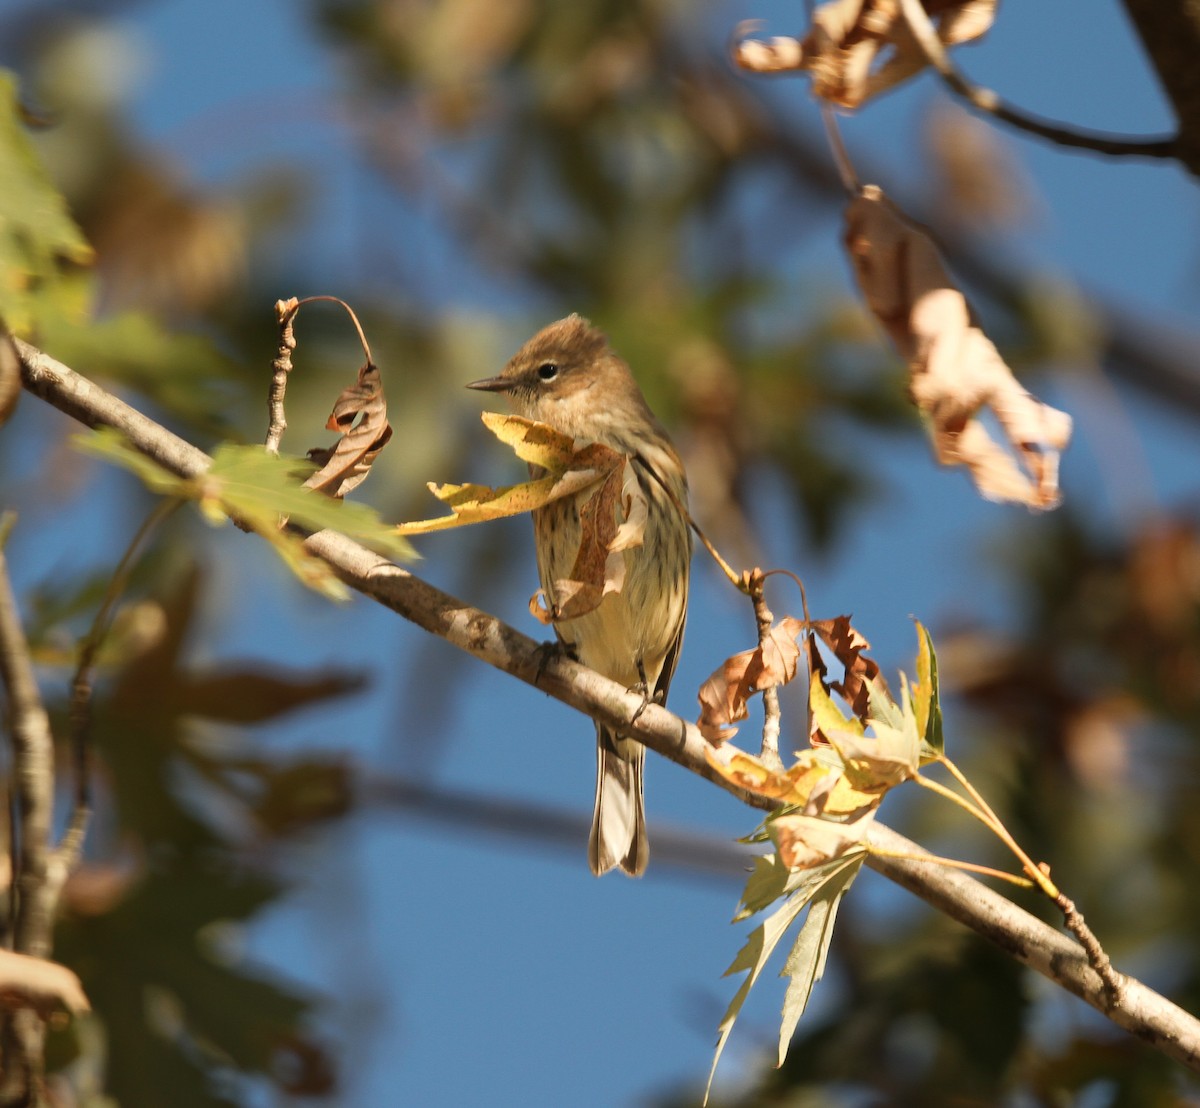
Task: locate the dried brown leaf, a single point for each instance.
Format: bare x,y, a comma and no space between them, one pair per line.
848,647
345,465
955,370
857,49
611,520
724,695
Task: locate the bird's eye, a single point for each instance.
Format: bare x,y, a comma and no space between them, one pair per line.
547,371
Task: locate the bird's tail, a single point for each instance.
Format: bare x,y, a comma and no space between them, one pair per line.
619,820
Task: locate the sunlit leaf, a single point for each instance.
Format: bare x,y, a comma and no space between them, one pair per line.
763,940
926,698
568,471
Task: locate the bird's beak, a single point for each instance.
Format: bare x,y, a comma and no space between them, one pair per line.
492,384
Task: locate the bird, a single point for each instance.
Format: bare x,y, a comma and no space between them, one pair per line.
568,377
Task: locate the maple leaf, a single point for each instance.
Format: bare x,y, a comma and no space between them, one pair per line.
724,695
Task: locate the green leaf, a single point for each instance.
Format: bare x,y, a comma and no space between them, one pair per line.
260,486
753,956
805,964
800,888
926,699
771,880
256,488
38,237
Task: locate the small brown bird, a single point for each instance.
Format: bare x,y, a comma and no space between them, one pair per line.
567,376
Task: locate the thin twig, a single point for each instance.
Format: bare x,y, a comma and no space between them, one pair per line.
1040,874
22,1036
1114,982
281,366
738,580
950,795
771,712
988,101
841,156
1151,1017
33,776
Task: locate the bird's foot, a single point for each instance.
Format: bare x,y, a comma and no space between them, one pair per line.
550,651
643,688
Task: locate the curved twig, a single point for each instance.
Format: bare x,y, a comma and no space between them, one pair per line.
1128,146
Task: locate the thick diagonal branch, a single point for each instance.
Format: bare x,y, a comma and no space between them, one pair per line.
1142,1011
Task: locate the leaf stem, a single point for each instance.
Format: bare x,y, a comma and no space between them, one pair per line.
1039,875
954,863
951,795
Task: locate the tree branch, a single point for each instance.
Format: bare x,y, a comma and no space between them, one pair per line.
1141,1011
35,884
1170,32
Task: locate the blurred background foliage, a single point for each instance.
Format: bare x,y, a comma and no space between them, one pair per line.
539,158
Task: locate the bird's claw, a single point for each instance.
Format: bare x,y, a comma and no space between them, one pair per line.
643,688
548,652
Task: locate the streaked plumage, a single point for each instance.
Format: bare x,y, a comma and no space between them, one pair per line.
567,376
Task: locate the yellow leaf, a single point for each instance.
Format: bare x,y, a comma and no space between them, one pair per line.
531,441
569,470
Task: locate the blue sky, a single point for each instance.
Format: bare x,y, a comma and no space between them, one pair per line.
468,970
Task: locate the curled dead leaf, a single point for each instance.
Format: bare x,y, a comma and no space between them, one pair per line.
955,369
611,520
360,414
849,647
857,49
723,697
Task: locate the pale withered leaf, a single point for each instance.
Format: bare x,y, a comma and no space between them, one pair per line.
856,50
824,885
805,965
955,370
